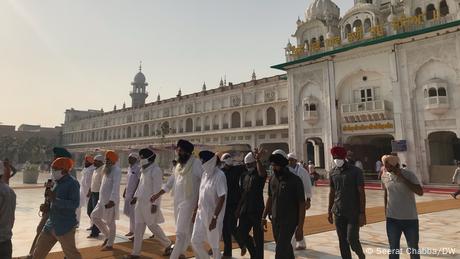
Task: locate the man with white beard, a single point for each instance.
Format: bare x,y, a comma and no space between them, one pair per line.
148,213
185,184
131,186
107,209
299,170
85,184
211,208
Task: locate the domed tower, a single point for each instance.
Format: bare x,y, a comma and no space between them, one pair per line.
138,94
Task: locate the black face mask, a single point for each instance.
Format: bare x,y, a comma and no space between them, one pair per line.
278,173
183,158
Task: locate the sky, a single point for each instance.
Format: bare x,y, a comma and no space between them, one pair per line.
62,54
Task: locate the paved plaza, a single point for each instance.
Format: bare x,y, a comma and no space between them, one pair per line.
438,230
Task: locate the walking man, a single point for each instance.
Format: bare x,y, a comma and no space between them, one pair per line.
347,203
85,184
107,209
233,175
148,213
93,192
285,206
211,208
185,184
251,205
400,208
297,169
7,208
456,180
62,221
131,186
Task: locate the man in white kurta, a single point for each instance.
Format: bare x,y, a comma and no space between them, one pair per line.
131,186
107,209
148,213
185,184
209,219
297,169
85,184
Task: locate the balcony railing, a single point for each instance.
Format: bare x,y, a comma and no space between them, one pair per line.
437,104
311,117
366,111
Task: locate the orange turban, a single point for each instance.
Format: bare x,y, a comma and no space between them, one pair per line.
62,163
89,159
392,160
112,156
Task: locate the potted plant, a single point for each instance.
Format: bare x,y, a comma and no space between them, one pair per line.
30,173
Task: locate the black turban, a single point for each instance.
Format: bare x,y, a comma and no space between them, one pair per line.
61,152
278,159
205,156
146,153
185,145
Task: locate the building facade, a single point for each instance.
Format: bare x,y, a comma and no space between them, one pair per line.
247,115
384,77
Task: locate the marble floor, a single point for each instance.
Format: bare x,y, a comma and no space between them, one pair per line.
440,230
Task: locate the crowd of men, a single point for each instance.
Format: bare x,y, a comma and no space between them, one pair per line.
214,198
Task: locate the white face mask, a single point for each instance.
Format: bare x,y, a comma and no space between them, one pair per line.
56,174
145,161
339,162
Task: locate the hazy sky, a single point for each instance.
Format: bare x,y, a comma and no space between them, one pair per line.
58,54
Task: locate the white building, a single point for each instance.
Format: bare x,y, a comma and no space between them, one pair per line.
385,70
236,116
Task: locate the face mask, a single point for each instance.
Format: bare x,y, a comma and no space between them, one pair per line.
145,161
57,174
339,162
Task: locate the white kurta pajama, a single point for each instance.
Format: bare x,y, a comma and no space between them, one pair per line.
150,183
131,185
185,184
300,171
85,184
105,218
213,185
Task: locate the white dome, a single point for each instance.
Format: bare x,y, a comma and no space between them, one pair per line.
321,10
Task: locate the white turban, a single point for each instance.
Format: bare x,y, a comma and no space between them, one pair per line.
280,152
134,155
227,159
292,156
249,158
99,158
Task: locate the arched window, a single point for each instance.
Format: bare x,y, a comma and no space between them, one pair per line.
430,12
367,25
215,122
442,91
236,120
146,130
105,134
347,30
418,11
443,8
284,115
432,92
164,128
225,121
357,25
259,118
189,125
321,41
312,107
207,123
248,119
307,107
271,116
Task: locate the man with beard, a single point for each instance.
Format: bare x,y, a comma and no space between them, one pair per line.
285,206
61,224
107,209
211,207
93,192
131,186
347,203
251,205
185,184
85,183
148,213
232,175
